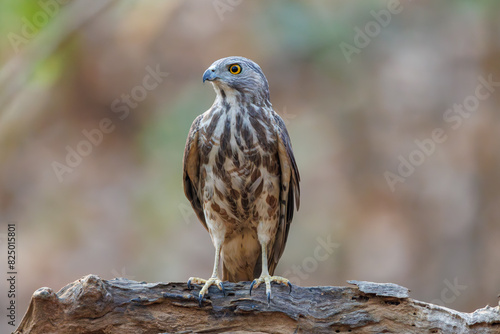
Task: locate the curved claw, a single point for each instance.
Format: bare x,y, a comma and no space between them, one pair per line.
251,287
222,288
189,285
290,286
200,299
268,298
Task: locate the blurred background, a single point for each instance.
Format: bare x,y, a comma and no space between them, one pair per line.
97,97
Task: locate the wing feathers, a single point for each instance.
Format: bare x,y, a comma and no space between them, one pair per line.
290,179
191,171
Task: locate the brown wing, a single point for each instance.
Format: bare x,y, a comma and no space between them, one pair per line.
290,192
191,171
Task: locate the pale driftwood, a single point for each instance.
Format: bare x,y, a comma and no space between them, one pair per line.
92,305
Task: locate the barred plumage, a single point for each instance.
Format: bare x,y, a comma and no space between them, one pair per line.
240,174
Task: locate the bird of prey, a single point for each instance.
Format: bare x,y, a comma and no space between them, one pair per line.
241,177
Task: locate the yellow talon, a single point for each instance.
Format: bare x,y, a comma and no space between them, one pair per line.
267,279
206,284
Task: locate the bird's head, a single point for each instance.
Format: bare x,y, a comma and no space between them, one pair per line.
238,75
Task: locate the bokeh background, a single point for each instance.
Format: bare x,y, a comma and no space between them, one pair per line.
67,66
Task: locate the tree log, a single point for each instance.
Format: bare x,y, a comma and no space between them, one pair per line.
92,305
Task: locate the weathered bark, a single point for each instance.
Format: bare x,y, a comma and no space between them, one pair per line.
92,305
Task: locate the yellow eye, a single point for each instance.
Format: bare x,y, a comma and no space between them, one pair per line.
235,69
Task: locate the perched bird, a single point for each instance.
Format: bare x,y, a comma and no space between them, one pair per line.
241,177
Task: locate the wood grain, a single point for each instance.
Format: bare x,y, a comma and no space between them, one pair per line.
93,305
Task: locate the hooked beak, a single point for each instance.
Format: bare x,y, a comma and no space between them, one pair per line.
210,75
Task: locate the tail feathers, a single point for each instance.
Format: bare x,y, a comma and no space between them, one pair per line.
245,273
242,274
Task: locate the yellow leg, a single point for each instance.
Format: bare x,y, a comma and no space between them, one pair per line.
214,279
266,278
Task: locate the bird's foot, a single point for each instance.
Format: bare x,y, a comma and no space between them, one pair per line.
207,283
267,280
